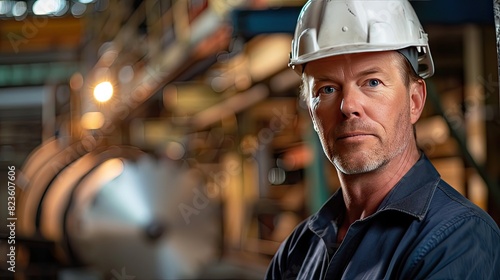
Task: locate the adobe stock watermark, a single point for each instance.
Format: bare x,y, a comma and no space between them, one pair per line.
201,198
30,28
280,120
221,179
458,113
473,106
122,275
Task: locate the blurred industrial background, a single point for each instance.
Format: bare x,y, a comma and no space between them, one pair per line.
164,139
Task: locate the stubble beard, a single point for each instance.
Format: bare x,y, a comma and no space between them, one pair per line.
369,160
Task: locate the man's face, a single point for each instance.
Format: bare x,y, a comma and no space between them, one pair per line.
361,109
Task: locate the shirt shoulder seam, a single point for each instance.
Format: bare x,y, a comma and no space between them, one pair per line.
446,230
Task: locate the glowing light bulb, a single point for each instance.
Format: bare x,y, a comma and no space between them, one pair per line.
103,91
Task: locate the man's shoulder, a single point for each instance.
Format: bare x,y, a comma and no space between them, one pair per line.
451,208
455,236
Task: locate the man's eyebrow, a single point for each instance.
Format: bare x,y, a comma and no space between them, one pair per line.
324,78
366,72
370,71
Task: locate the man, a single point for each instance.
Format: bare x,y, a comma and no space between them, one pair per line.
362,65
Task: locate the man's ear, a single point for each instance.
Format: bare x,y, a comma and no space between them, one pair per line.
418,94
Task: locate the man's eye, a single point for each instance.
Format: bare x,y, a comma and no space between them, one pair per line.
327,90
373,82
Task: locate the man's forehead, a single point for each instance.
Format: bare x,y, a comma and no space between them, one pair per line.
357,57
358,63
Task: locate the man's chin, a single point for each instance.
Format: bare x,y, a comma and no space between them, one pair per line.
354,167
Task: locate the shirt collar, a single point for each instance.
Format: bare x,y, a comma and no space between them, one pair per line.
411,195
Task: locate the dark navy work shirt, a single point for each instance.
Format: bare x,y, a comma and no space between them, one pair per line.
423,229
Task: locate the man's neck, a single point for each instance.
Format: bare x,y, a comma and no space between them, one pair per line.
363,193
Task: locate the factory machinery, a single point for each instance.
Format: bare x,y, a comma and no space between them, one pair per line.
109,212
206,126
100,203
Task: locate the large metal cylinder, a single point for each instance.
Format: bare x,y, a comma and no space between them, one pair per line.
118,209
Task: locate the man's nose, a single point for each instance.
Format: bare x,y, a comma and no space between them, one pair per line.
350,105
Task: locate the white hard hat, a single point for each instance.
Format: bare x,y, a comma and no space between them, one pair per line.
333,27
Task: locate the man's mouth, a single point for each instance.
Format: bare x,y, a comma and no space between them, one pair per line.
353,135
